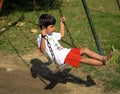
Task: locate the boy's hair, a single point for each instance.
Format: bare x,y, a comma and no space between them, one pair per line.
45,20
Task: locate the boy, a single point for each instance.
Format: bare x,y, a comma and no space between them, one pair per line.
72,56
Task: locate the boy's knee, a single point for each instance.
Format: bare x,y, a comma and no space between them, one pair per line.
84,50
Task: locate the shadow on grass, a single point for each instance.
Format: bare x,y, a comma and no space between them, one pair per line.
40,69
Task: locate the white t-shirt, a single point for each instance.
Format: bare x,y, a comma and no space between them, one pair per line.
59,52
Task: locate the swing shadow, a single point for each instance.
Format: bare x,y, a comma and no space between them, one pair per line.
40,69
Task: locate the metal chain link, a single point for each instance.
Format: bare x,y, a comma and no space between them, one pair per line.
71,39
51,51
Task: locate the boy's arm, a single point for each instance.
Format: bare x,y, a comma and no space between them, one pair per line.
42,44
62,26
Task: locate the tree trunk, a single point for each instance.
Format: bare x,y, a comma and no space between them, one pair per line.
1,3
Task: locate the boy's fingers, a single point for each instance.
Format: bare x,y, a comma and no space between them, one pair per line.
63,18
44,31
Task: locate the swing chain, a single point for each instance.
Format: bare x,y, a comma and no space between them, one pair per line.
58,67
66,27
51,51
72,41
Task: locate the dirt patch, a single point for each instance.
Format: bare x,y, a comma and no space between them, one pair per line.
16,78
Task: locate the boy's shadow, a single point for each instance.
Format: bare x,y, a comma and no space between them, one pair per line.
40,69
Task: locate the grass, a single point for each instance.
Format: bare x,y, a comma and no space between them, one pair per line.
106,19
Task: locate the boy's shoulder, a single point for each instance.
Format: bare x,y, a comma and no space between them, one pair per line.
53,34
39,36
56,33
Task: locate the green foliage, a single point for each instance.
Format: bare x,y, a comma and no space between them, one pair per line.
114,61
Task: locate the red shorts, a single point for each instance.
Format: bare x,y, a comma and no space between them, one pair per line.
73,58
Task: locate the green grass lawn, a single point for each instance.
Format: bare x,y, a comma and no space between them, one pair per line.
106,19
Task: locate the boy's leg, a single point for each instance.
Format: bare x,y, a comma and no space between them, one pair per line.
91,61
86,51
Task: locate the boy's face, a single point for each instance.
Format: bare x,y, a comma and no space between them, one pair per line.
50,29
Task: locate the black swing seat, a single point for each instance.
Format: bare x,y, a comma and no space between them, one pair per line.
60,68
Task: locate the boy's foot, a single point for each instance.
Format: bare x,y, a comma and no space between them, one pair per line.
107,58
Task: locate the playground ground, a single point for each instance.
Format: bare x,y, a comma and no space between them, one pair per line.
16,78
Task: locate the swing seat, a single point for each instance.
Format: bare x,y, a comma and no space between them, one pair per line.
60,68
